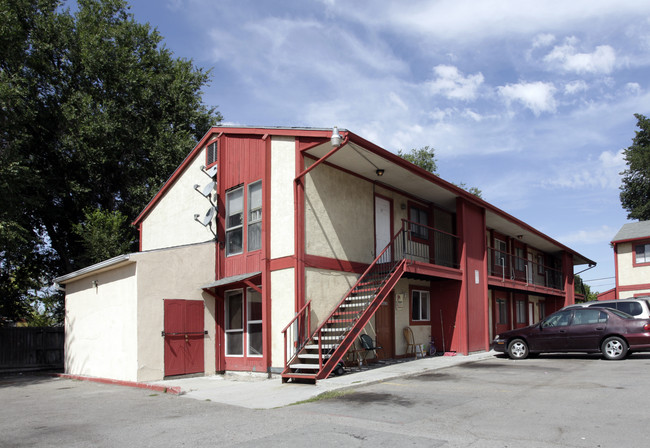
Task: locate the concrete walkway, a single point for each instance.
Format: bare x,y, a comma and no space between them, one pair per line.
256,391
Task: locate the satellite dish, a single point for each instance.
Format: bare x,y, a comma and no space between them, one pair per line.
211,172
207,219
207,190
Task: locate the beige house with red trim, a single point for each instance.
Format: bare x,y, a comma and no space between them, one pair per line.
273,249
632,262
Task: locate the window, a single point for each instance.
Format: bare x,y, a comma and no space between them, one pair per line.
419,216
502,310
520,261
255,216
238,319
234,317
254,322
211,153
234,221
560,319
521,311
420,306
541,306
642,253
587,316
540,264
500,252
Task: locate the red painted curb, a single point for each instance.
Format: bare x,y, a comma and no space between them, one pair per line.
155,387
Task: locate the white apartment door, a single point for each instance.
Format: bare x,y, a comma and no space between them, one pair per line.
383,227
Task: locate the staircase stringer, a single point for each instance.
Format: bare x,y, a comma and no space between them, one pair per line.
362,321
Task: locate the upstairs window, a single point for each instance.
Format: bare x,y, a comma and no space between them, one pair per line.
255,216
500,254
642,252
211,153
520,261
419,216
540,264
234,221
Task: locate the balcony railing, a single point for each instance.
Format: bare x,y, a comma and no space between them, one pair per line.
429,245
511,267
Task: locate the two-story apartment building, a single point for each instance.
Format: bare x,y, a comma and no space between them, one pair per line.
632,262
272,249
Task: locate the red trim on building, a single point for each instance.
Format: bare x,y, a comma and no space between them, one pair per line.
634,287
334,264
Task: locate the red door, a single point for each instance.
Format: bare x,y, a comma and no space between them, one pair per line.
385,328
501,312
183,337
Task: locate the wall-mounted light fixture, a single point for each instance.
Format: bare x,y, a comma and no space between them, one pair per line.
520,237
335,140
379,172
95,283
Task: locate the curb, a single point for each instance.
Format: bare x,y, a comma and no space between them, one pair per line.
175,390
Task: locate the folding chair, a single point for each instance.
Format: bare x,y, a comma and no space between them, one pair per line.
368,346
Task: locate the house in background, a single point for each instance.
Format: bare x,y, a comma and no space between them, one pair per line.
632,262
273,249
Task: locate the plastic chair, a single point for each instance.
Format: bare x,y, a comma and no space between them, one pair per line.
411,346
368,346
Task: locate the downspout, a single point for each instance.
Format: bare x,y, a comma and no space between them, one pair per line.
299,221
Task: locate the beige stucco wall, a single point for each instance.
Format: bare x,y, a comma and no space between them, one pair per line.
176,273
114,330
283,171
171,222
325,289
627,273
282,311
339,215
421,333
100,325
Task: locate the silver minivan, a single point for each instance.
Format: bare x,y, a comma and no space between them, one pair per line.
638,307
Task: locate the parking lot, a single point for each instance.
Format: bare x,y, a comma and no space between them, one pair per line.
552,401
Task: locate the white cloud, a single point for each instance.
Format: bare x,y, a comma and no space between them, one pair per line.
567,58
451,83
543,40
600,173
575,87
633,88
536,96
601,235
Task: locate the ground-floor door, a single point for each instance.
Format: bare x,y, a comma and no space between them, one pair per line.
184,333
385,328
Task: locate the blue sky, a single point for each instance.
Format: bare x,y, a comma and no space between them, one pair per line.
530,101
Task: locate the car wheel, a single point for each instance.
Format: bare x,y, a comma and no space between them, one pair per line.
614,348
518,349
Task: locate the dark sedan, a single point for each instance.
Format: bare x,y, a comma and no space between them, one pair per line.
607,331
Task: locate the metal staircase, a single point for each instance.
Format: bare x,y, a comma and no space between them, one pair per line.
313,356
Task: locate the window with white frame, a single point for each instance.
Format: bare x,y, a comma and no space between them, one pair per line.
254,322
500,252
420,306
234,221
540,264
642,252
520,260
255,216
234,323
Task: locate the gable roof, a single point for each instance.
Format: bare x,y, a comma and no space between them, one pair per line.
633,231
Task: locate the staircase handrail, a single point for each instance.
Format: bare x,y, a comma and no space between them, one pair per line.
305,310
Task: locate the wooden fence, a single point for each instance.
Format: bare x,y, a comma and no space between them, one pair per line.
28,348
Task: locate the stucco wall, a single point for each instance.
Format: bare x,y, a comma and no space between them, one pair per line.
339,215
627,273
421,333
100,325
282,311
176,273
171,222
283,171
325,289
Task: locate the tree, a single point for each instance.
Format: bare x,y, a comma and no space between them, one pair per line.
580,287
635,191
94,115
425,158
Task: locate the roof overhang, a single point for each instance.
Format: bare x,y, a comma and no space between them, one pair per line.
105,265
231,280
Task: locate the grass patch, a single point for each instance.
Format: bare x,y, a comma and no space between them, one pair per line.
324,396
153,395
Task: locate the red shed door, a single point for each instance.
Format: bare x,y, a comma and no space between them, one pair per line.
183,337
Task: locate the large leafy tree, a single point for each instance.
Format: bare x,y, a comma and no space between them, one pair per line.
95,113
635,191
